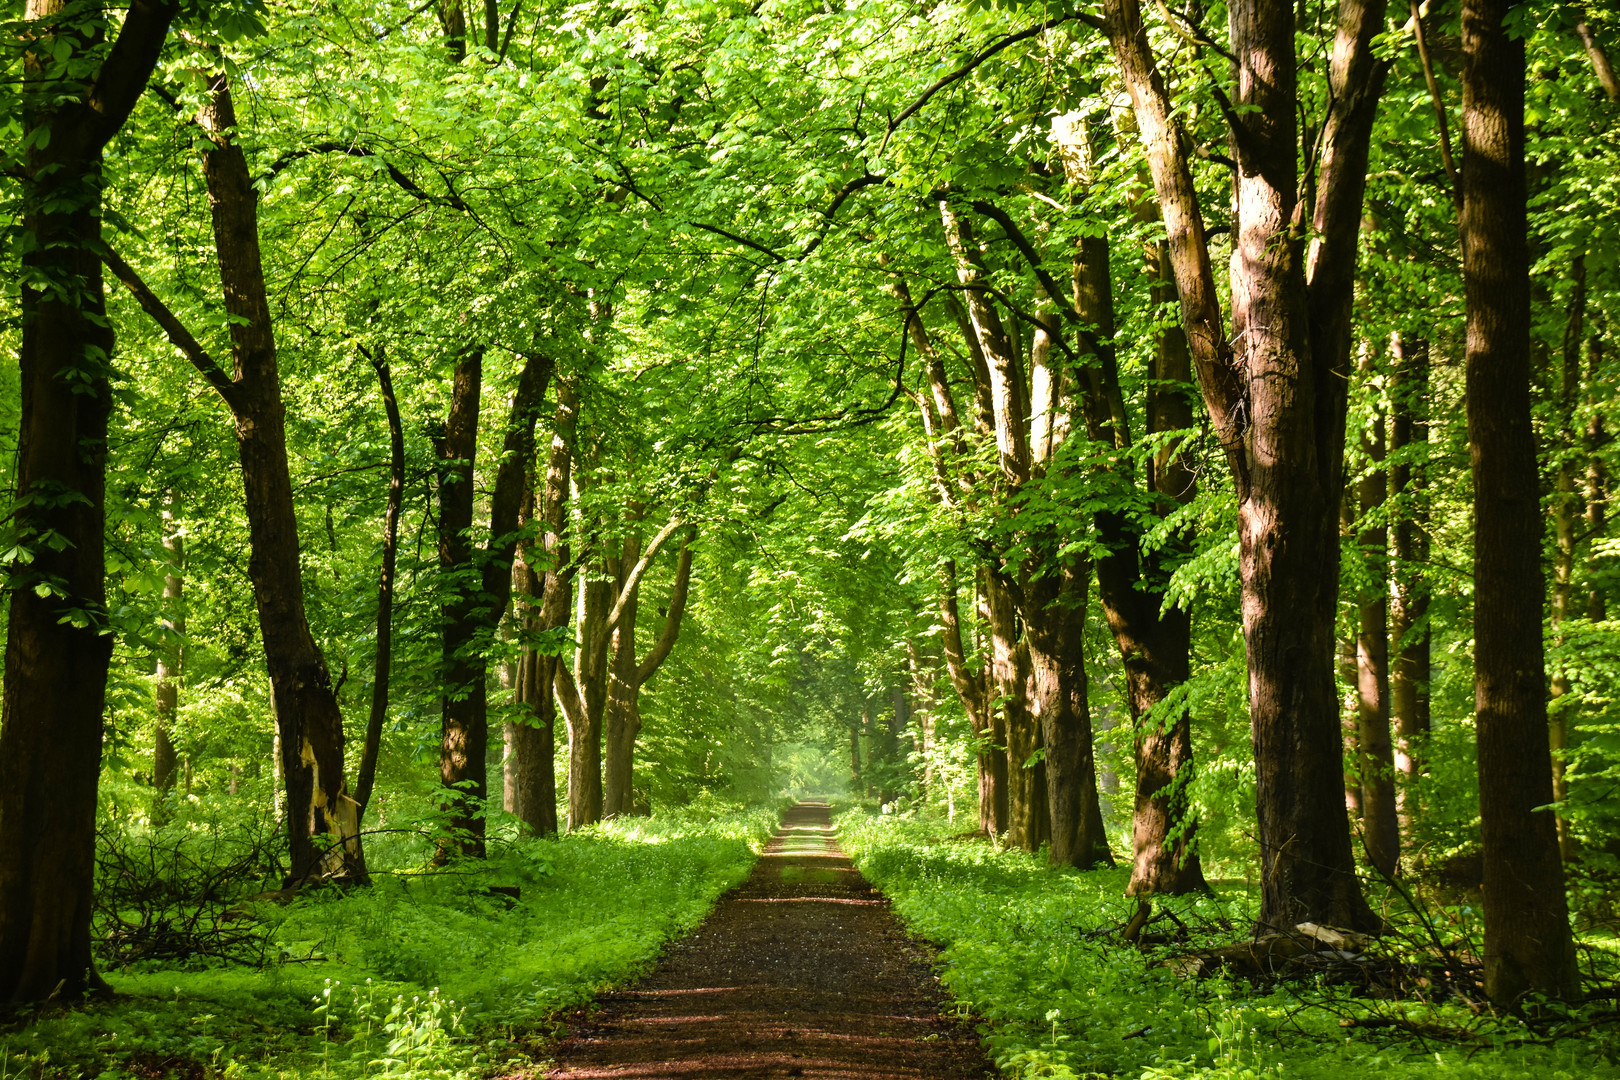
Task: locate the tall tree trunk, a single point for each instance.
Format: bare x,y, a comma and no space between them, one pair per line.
58,646
1596,491
1409,595
463,702
1568,515
1275,388
1380,829
1055,618
307,710
621,720
972,686
479,582
1527,938
171,633
534,743
382,664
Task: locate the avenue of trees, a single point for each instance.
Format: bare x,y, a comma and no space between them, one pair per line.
1175,436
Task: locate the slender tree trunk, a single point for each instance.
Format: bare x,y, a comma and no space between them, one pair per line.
382,664
1017,731
463,702
479,583
171,633
1527,938
972,689
58,646
621,717
1409,595
1380,829
1568,515
1596,491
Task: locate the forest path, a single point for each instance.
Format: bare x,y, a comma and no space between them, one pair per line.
801,971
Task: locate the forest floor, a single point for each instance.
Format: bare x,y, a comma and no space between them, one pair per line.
801,971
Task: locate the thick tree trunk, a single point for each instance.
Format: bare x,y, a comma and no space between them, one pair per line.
58,646
1527,938
1012,726
1275,390
1380,829
1409,595
1055,616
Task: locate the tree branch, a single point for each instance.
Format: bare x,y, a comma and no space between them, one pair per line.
672,622
171,325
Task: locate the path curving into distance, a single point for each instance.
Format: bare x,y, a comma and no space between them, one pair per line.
801,971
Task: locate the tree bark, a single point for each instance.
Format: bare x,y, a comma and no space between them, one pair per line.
1568,515
534,743
317,797
1409,599
1596,491
1380,828
382,664
972,686
171,651
479,582
58,646
1527,938
1277,405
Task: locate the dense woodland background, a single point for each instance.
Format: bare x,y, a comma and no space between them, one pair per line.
1175,439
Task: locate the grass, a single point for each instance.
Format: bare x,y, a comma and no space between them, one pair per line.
1057,999
423,975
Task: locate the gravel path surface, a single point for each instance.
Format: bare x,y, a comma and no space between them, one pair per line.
801,971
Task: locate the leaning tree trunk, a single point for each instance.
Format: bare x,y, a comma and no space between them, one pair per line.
1528,948
317,797
973,690
58,647
382,663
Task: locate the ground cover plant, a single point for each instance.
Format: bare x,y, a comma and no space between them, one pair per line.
1036,954
449,971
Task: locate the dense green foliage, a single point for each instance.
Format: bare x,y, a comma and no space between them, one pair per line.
1033,953
428,973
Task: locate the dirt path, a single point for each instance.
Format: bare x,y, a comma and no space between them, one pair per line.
801,971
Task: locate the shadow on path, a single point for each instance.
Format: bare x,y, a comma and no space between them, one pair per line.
801,971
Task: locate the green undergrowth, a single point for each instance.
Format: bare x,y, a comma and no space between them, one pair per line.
425,974
1025,952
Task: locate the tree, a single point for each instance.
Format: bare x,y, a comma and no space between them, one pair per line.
1527,938
76,95
1275,386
